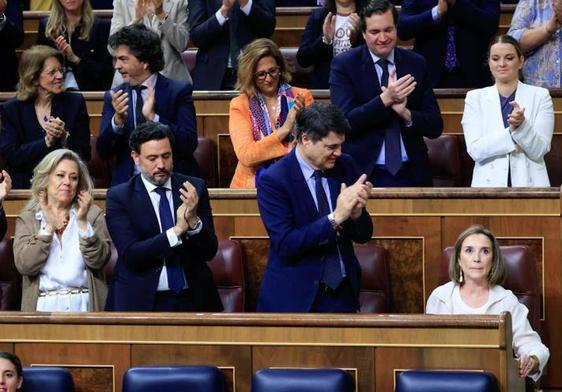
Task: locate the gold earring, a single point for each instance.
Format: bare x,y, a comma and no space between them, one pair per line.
461,277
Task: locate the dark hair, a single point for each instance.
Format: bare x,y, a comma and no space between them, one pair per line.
148,131
330,6
13,358
143,43
377,7
319,119
497,273
506,39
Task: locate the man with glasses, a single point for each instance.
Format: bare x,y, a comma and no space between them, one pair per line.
312,203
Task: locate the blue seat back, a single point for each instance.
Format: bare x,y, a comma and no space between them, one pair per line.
445,381
173,379
302,380
47,379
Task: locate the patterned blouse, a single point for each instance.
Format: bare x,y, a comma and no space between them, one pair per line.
542,65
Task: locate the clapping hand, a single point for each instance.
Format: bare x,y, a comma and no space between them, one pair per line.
352,199
5,184
120,103
516,117
84,199
63,45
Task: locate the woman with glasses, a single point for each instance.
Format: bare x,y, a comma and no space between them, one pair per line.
262,118
42,117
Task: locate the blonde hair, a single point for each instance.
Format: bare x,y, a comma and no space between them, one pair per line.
48,164
56,24
497,273
30,68
248,62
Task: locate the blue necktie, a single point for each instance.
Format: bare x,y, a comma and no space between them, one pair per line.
332,270
451,52
139,117
392,151
176,280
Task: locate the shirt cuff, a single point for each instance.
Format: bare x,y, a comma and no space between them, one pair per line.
173,239
221,19
247,8
197,229
156,118
3,22
89,232
115,128
435,15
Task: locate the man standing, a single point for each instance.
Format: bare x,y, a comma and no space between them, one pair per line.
11,37
162,227
312,203
221,29
145,95
453,36
386,95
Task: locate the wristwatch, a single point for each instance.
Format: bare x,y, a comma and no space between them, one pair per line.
332,221
2,18
326,40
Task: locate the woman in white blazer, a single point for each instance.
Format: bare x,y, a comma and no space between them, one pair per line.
508,126
476,270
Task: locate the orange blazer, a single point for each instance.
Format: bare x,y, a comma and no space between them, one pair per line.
252,154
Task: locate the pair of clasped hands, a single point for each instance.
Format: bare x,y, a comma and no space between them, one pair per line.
147,8
186,214
54,129
352,199
515,119
395,95
120,103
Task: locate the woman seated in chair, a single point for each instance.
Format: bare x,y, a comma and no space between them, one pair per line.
476,270
61,243
508,126
262,117
10,372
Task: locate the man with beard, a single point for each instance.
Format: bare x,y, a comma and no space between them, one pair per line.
145,95
162,227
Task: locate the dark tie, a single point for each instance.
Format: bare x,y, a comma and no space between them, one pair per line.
234,50
176,280
139,117
451,53
332,270
392,151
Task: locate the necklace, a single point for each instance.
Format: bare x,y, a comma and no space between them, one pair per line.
62,227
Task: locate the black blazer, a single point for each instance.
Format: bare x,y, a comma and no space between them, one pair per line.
22,139
142,247
95,70
213,40
11,38
475,22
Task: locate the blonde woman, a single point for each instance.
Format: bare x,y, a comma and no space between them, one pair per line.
81,37
262,118
61,243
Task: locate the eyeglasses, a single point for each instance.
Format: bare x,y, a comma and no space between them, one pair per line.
273,72
52,72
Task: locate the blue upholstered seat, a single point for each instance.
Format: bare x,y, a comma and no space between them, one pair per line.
445,381
47,379
173,379
301,380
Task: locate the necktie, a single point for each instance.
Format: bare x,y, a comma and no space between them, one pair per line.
451,53
175,273
332,270
234,47
139,117
392,151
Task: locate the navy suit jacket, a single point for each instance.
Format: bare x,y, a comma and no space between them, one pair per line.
213,40
355,90
475,22
22,141
11,37
174,105
300,237
142,247
94,72
313,51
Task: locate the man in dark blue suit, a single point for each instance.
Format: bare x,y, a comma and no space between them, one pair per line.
312,203
221,29
145,95
162,227
11,36
386,95
453,36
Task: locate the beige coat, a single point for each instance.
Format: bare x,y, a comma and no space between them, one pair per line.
32,250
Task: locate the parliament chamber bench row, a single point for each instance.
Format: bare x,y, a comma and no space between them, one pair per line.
290,24
451,164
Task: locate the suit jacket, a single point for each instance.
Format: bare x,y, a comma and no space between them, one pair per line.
489,143
22,141
475,22
253,154
355,90
213,40
11,37
174,105
94,71
142,248
312,51
173,32
300,237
